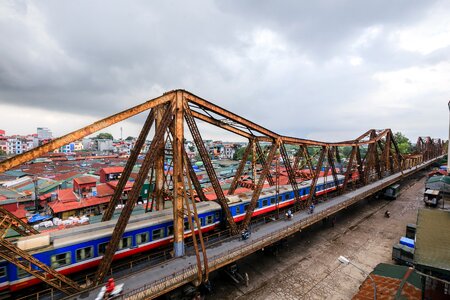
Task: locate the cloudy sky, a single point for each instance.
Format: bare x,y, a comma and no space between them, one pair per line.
326,70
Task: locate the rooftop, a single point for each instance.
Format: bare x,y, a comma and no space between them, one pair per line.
112,170
388,280
433,239
85,180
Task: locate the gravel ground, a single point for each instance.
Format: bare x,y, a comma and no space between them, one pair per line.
306,267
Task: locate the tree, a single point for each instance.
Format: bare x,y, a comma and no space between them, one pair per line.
2,152
403,143
239,153
104,135
130,138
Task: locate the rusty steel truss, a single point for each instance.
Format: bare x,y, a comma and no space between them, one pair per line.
368,158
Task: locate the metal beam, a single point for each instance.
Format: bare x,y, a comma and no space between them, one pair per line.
9,220
133,196
261,159
290,171
178,177
25,261
258,188
348,172
80,133
316,176
109,212
240,168
209,168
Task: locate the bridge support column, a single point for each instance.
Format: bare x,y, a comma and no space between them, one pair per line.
178,177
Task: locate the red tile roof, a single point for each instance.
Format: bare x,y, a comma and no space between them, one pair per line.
104,190
85,180
67,195
127,187
59,206
20,212
64,176
112,170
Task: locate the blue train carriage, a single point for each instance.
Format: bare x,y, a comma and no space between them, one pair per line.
76,249
269,200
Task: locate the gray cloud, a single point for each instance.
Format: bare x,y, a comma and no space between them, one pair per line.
299,68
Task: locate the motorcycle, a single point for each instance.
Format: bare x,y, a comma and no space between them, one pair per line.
245,234
116,292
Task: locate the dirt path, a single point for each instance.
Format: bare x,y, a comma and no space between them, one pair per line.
307,268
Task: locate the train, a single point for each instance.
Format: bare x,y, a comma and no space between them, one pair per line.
76,249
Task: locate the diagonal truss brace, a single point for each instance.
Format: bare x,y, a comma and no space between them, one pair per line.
133,196
107,215
209,168
258,188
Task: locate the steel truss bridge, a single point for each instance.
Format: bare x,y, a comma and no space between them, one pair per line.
373,162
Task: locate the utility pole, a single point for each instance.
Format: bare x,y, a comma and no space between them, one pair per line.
448,143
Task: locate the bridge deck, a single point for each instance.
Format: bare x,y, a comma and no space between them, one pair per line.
152,282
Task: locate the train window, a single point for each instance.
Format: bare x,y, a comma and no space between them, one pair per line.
246,207
217,215
272,200
60,260
202,221
170,230
84,253
2,272
288,196
158,233
125,242
142,238
209,220
238,209
21,273
186,226
265,202
280,198
102,248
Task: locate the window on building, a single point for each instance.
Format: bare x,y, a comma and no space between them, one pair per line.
84,253
2,272
60,260
142,238
125,242
158,233
102,248
209,220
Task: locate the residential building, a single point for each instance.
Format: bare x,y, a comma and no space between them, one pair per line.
43,133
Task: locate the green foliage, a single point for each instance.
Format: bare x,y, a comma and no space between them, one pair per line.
129,138
104,135
240,153
2,152
403,143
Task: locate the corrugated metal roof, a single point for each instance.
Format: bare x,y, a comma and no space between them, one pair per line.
445,179
433,239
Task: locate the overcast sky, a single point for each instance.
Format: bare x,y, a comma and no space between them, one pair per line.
327,70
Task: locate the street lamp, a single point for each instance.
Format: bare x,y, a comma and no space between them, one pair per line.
346,261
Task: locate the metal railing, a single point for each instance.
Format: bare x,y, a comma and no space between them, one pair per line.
188,274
